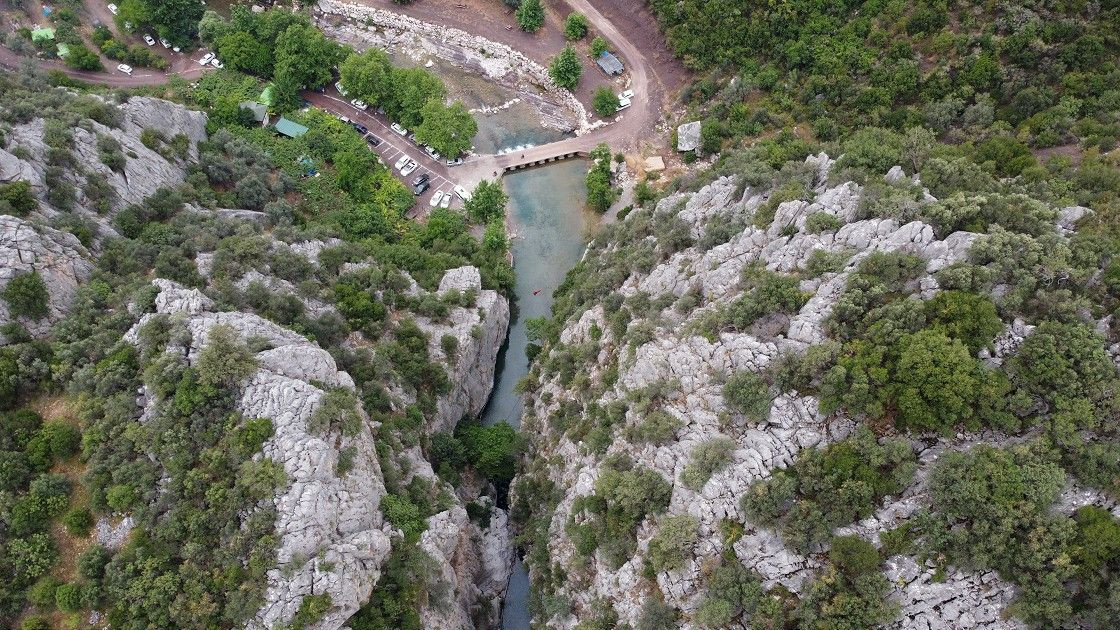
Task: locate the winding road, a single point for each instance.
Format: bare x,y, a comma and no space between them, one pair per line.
632,124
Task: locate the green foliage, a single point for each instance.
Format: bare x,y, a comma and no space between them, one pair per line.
822,222
748,394
565,68
492,450
967,317
225,360
337,411
599,46
404,515
16,198
26,296
830,487
672,545
311,609
1059,364
447,129
575,26
68,597
706,459
78,521
608,519
600,193
733,591
530,15
605,101
487,202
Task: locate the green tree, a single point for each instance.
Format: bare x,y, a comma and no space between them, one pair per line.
243,52
82,58
413,88
487,202
673,543
575,26
448,130
599,46
493,450
368,76
530,15
306,56
938,382
225,360
566,69
605,101
968,317
16,198
26,295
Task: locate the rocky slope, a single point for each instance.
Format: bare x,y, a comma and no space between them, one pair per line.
671,277
57,257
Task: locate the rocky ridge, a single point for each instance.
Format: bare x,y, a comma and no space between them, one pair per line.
689,369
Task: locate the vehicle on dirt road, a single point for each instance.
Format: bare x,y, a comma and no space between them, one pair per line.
207,58
217,63
112,8
462,192
359,104
446,203
360,128
420,180
341,90
149,40
163,42
125,68
400,163
420,188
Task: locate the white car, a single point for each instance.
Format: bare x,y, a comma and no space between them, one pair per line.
462,192
432,153
627,94
446,203
149,40
125,68
206,59
409,167
455,162
216,63
399,130
163,42
112,8
400,163
623,103
341,90
175,49
344,120
436,198
359,104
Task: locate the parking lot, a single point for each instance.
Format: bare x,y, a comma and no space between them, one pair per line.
392,148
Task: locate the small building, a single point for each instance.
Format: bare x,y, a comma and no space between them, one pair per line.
260,111
289,128
610,64
688,136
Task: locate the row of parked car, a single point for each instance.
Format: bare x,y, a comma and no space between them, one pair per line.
397,128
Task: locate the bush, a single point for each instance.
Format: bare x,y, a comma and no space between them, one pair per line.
492,450
225,360
1060,363
599,46
853,555
311,609
566,69
672,546
68,597
42,593
26,295
822,222
16,198
575,26
707,458
748,394
78,521
605,101
530,15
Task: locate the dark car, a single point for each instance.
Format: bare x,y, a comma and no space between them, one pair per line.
424,177
360,128
419,189
373,140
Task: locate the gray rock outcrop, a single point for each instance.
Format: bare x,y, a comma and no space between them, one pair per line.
57,257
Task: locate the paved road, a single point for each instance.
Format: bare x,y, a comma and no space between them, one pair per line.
631,125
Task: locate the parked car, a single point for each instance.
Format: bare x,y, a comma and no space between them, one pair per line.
112,8
436,198
372,139
399,130
455,162
217,63
462,192
627,94
420,180
432,153
623,103
412,139
149,40
163,42
360,104
338,86
207,58
360,128
420,188
125,68
409,167
176,49
400,162
446,203
343,119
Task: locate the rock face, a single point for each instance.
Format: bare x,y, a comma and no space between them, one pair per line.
144,170
59,259
479,333
688,136
332,538
686,371
526,79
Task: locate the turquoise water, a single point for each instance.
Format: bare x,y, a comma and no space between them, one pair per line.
550,225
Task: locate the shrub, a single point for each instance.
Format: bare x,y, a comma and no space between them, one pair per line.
91,564
605,101
822,222
853,555
671,547
1059,363
968,317
658,428
337,411
566,69
599,46
530,15
68,597
16,198
707,458
42,593
748,394
225,360
78,521
575,26
492,450
311,609
26,295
